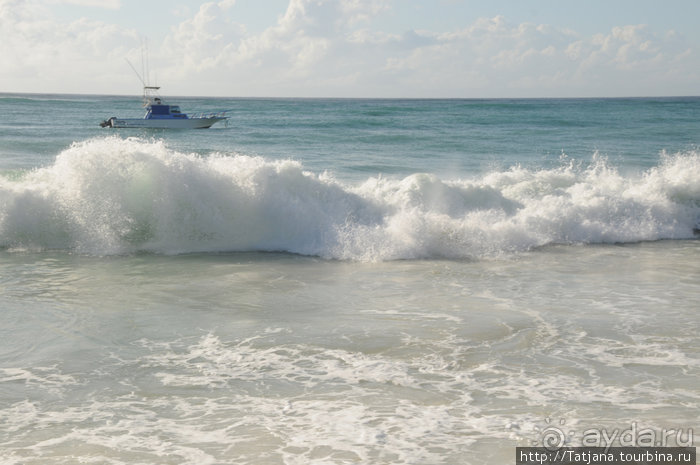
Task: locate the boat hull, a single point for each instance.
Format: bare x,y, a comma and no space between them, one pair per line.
165,123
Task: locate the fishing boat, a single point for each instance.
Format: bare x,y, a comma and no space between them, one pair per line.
160,115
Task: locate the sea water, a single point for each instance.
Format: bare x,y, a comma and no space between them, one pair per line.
347,281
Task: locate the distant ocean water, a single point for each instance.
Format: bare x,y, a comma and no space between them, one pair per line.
332,281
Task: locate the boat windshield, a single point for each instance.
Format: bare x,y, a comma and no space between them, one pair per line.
160,109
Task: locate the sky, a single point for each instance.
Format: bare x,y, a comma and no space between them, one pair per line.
353,48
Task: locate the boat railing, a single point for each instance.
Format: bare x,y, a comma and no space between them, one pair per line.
214,114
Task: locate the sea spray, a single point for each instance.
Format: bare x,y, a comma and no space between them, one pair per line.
125,195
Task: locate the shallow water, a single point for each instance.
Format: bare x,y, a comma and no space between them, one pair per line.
204,299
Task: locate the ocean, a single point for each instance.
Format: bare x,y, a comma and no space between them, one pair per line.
339,281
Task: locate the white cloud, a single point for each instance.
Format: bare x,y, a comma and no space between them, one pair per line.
40,54
110,4
304,50
337,48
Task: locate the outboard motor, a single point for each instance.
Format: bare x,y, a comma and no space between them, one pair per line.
108,123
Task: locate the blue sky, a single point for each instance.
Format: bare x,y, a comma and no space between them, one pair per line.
354,48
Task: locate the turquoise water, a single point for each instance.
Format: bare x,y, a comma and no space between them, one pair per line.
346,281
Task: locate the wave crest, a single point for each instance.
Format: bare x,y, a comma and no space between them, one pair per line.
114,196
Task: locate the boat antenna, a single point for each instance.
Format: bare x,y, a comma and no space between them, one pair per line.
145,62
145,74
137,73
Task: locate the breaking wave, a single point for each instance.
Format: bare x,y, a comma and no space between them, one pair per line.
120,196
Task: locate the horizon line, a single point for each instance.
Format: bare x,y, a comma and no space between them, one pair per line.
260,97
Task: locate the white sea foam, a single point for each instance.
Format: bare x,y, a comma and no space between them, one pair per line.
113,196
45,377
206,400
